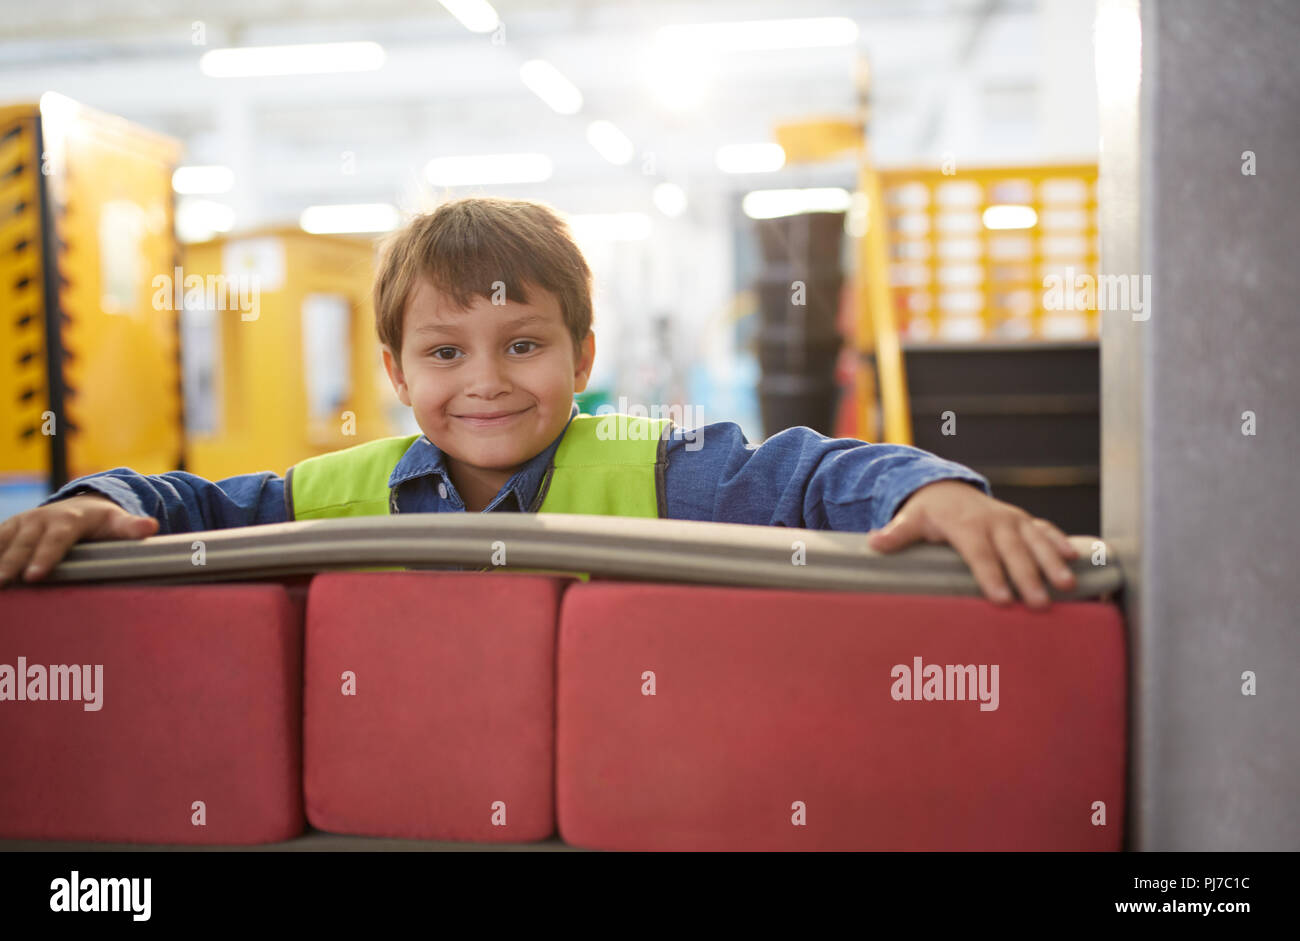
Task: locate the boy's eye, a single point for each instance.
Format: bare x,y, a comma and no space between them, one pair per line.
518,343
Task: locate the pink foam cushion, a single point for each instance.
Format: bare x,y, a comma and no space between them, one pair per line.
200,702
451,732
771,706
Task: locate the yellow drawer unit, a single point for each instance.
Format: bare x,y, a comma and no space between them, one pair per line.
91,376
992,253
281,357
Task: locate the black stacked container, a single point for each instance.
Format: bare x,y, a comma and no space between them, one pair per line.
798,344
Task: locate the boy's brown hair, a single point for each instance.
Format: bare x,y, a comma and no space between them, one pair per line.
466,245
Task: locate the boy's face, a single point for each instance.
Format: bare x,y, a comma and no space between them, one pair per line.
459,366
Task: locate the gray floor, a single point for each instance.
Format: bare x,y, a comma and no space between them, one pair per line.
313,841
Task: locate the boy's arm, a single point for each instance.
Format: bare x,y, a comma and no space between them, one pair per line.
183,502
801,478
798,478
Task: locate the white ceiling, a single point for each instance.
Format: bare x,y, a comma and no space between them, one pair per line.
987,81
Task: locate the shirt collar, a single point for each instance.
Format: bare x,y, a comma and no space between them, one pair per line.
424,458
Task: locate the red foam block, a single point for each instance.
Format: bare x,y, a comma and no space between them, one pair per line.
199,701
450,733
773,724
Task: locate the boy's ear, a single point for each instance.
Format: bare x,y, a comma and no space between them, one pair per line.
393,366
587,357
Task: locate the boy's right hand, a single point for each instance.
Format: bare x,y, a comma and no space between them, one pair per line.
39,538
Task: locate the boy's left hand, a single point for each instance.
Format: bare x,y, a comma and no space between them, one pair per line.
988,534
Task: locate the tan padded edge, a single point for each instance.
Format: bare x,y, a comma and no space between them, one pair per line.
657,550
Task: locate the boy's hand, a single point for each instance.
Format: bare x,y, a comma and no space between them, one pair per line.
39,538
988,534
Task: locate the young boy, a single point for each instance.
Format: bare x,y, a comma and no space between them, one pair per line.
483,308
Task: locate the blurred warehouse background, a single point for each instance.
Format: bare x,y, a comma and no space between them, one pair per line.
928,222
716,160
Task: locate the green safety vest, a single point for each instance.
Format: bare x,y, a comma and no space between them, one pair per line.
605,465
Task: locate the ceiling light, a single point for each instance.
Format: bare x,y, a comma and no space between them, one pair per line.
769,204
358,217
477,16
188,180
545,81
750,158
611,226
760,34
489,169
610,142
670,199
306,59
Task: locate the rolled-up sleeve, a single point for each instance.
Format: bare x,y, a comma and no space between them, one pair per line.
183,502
797,478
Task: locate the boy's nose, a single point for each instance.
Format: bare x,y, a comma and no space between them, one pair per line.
487,378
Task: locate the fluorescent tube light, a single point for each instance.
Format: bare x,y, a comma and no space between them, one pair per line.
477,16
489,169
305,59
750,158
545,81
187,180
357,217
761,34
769,204
610,142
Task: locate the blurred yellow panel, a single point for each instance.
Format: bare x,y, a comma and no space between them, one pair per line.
928,207
282,358
819,139
24,385
111,197
88,228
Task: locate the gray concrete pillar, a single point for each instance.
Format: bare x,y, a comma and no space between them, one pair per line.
1200,204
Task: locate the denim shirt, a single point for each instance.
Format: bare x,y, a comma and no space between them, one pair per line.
797,478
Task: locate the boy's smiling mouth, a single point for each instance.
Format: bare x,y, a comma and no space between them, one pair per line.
491,418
